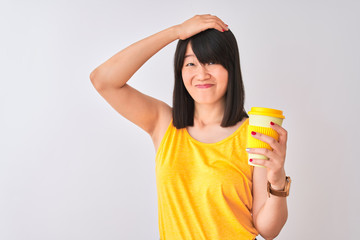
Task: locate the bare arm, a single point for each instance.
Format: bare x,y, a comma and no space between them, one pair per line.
110,78
117,70
269,214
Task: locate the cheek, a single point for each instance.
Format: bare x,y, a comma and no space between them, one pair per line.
186,77
224,83
226,77
223,78
223,74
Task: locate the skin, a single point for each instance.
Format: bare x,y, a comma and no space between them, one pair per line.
153,116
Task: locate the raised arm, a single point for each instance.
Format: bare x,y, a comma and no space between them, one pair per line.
110,78
117,70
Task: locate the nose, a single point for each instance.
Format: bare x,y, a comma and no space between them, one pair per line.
202,72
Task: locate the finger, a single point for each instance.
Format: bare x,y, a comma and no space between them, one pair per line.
214,25
267,139
261,162
217,25
225,26
220,22
263,151
215,19
281,131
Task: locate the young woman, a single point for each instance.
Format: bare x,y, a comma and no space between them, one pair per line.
206,188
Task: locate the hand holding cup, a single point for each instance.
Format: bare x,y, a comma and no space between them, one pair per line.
267,143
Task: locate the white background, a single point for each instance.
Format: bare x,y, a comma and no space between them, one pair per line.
72,168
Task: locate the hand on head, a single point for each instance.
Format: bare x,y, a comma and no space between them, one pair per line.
200,23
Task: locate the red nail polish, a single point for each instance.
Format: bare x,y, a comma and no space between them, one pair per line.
250,160
223,30
271,123
253,133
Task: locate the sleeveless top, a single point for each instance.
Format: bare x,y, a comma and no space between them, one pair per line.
204,189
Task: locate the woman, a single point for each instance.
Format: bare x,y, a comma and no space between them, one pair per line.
206,188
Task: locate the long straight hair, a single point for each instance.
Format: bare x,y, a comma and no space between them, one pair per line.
209,46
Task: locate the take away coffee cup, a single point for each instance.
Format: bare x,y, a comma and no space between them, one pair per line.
259,121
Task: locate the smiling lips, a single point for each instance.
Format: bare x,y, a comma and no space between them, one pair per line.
204,85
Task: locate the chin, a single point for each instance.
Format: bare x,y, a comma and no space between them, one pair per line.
206,101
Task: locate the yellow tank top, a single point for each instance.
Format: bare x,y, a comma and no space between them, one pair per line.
204,189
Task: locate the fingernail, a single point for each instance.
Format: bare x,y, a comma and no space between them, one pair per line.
271,123
250,160
253,133
223,30
248,149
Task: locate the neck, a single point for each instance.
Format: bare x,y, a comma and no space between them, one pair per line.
209,114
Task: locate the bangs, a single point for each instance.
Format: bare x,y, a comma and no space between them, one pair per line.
210,46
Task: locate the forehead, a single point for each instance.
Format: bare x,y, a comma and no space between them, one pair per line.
189,50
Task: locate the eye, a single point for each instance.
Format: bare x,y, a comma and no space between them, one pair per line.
189,64
211,63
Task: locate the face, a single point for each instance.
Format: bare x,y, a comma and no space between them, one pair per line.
206,83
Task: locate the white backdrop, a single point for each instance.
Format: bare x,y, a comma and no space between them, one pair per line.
72,168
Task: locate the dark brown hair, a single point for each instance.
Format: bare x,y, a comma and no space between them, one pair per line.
210,46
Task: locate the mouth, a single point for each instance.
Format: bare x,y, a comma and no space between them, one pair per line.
204,85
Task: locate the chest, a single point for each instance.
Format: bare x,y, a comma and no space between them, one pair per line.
185,153
210,134
183,161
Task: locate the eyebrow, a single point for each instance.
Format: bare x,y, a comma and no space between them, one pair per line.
189,55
